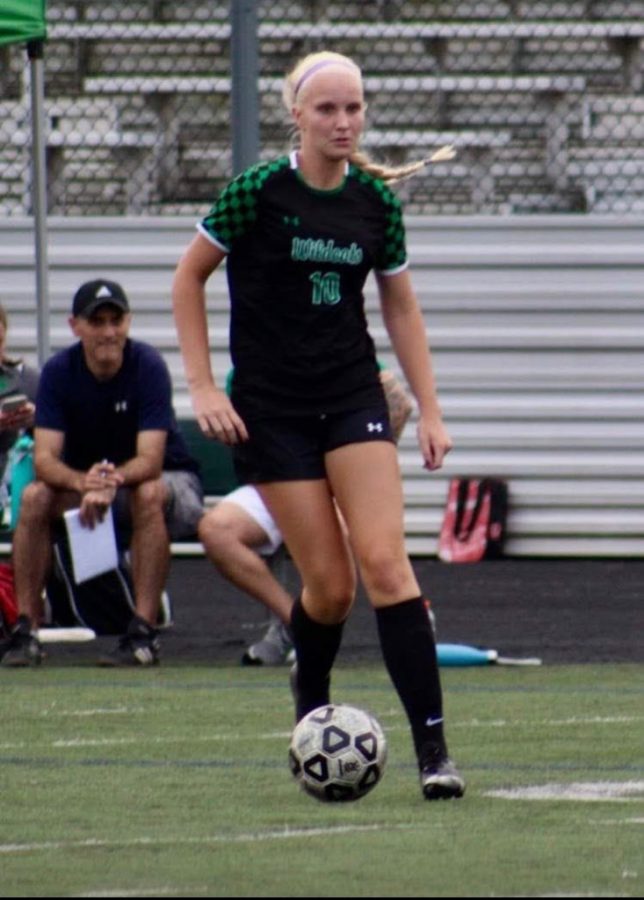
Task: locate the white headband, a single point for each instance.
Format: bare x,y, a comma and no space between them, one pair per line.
322,64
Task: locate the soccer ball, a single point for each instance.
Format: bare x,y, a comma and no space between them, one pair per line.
338,753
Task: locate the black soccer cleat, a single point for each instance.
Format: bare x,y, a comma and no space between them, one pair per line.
439,777
138,647
23,648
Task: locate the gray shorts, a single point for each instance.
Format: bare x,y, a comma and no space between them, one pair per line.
183,510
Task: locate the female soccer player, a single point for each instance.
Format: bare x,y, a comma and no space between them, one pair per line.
307,416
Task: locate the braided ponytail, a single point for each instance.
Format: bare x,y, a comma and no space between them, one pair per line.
393,174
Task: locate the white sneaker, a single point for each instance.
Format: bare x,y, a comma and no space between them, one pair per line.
274,649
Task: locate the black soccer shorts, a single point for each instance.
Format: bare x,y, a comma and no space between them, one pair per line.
292,448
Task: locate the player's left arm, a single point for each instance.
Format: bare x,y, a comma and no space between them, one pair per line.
405,326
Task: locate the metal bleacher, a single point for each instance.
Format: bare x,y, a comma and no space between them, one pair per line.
537,330
520,87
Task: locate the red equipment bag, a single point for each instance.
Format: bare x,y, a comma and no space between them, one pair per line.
474,524
8,605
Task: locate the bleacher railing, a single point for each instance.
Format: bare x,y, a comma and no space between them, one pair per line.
544,101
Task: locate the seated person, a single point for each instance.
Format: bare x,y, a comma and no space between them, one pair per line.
240,536
16,378
105,436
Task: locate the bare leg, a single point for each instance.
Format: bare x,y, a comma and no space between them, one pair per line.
230,536
307,517
150,547
367,487
366,483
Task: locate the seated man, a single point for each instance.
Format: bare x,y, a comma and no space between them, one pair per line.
240,537
105,436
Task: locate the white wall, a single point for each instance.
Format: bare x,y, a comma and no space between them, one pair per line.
537,330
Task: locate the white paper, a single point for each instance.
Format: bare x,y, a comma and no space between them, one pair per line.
93,550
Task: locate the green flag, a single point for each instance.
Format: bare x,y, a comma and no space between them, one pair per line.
22,20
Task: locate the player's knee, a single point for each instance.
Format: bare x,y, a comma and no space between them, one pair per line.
332,590
217,533
384,571
36,501
148,498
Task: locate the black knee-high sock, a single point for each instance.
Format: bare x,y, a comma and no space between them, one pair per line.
316,647
409,651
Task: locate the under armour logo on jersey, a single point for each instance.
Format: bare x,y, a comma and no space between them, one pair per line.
375,426
120,406
294,221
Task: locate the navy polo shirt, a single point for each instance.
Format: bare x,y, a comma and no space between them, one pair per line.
101,419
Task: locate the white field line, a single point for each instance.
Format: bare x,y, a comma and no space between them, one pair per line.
194,891
578,791
99,711
252,837
285,735
635,820
548,723
151,892
199,739
117,742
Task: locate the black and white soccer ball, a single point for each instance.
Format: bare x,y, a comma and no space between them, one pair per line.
338,753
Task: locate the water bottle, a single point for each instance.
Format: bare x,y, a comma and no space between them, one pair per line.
22,472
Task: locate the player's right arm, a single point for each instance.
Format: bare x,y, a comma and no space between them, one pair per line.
213,409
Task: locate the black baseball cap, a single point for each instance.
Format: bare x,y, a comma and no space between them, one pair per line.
101,292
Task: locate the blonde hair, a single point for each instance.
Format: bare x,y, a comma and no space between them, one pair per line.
313,63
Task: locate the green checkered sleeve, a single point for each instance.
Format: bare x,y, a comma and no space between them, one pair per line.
235,210
393,254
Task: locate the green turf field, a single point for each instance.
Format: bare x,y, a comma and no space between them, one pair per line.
174,782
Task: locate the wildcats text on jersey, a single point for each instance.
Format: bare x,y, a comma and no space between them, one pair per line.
310,250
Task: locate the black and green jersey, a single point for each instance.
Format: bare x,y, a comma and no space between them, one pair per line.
298,259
